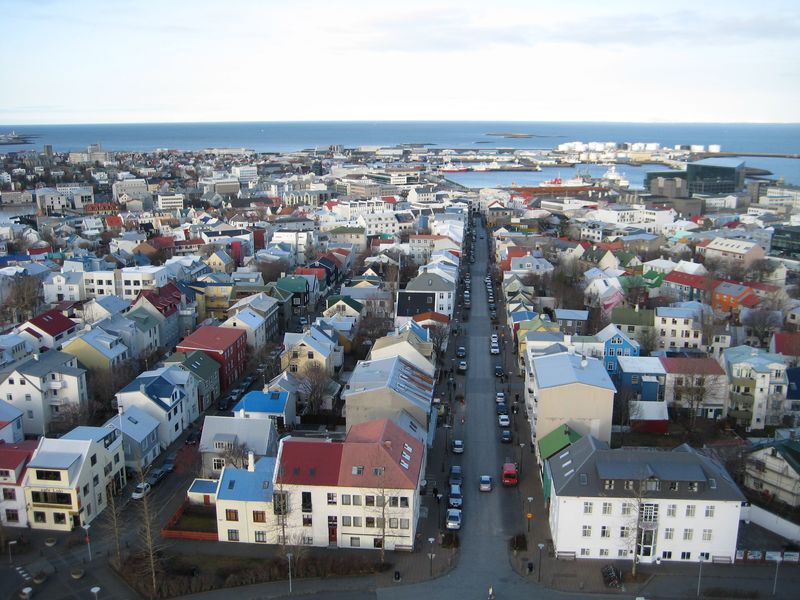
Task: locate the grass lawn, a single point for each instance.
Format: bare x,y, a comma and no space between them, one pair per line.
204,521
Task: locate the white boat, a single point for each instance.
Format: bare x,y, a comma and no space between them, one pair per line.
615,178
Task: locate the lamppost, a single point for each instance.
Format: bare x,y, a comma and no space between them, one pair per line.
289,557
530,514
700,575
539,574
95,590
439,510
88,541
431,555
519,468
775,581
10,543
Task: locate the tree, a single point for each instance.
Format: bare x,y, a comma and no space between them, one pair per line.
761,323
692,389
235,455
112,521
314,383
439,334
103,384
69,416
24,298
272,270
643,516
148,531
648,341
759,270
625,411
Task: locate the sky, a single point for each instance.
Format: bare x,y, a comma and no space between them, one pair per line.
123,61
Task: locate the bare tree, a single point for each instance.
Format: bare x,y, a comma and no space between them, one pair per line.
24,298
759,270
314,382
439,334
643,517
761,323
692,389
625,411
648,341
148,532
235,455
69,416
112,521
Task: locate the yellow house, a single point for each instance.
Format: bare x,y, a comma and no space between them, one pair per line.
97,350
221,262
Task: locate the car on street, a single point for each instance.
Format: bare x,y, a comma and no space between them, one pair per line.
492,305
303,321
485,483
500,397
193,438
168,466
498,371
503,421
495,348
461,352
505,436
140,491
155,476
457,447
495,338
455,500
456,475
453,518
493,315
462,365
502,408
224,403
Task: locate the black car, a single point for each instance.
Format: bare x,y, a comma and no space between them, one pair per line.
224,403
456,475
505,436
461,352
193,438
502,408
498,371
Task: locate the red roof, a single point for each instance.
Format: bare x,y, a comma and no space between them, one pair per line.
381,444
210,337
694,366
750,301
165,299
342,251
162,242
694,281
114,221
332,257
309,462
319,272
52,323
431,316
12,455
787,344
192,242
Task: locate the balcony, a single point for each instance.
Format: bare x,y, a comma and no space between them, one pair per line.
647,524
741,401
56,384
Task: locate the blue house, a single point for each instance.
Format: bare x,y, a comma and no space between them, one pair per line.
642,378
615,344
267,405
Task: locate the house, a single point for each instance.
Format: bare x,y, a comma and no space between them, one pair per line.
636,323
157,396
342,305
572,322
58,287
227,441
384,388
139,437
164,304
568,389
49,388
731,297
51,329
68,479
772,469
255,327
409,346
641,385
444,291
696,384
14,459
679,328
687,286
300,289
98,350
642,504
266,306
786,343
205,370
186,383
758,386
280,407
221,262
225,345
316,345
10,423
615,344
737,252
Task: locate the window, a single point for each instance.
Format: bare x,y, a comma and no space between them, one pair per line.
331,498
587,531
688,534
605,532
693,486
627,508
231,515
356,521
706,535
259,516
43,475
403,501
39,517
355,542
378,471
370,521
624,531
28,398
585,552
628,484
306,502
12,516
672,510
622,553
669,533
710,510
604,552
218,464
686,556
393,523
9,494
673,486
59,518
587,508
347,521
261,537
280,503
666,554
648,513
634,379
356,500
606,508
358,470
369,500
93,460
307,520
346,499
690,510
233,535
405,523
377,543
608,484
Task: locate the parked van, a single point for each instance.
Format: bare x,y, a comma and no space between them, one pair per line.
510,474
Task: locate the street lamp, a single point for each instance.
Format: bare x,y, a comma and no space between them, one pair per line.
519,468
88,541
289,557
439,510
95,590
10,543
431,555
700,575
539,574
529,515
775,582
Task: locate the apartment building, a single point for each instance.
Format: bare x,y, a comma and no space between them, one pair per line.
646,505
60,287
773,470
679,328
225,345
738,252
170,201
758,386
51,329
14,460
136,279
100,284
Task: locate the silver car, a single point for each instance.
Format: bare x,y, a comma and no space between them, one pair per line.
453,518
485,483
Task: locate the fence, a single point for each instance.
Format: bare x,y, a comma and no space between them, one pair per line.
180,534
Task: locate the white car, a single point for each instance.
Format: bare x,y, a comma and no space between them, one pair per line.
495,348
458,447
504,421
453,518
500,397
485,483
495,339
140,491
462,365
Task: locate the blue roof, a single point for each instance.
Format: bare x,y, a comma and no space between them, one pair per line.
523,315
203,486
244,485
675,313
566,313
269,402
85,432
156,388
564,369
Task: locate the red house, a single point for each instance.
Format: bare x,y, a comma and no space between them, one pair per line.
225,345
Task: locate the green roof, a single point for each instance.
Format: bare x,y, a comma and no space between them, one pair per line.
556,440
197,362
354,304
143,320
624,257
350,230
629,316
293,283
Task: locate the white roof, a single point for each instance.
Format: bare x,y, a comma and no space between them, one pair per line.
134,422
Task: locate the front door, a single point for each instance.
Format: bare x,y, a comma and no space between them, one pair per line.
332,525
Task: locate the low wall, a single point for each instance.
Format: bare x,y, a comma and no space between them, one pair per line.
771,522
179,534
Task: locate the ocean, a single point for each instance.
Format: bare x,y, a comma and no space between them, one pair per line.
287,136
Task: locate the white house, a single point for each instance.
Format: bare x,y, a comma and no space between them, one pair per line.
161,399
255,327
58,287
646,505
139,437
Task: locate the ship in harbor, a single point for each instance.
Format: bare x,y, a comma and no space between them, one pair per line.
451,168
13,139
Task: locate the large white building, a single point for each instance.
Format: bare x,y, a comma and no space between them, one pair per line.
758,386
646,505
170,201
136,279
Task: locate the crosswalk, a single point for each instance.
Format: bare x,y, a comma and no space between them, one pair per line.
23,572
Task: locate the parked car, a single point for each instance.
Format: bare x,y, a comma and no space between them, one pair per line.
495,348
193,438
502,408
462,365
461,352
456,475
140,491
455,500
495,339
303,321
498,371
155,476
457,447
168,466
485,483
453,518
500,397
224,402
505,436
503,421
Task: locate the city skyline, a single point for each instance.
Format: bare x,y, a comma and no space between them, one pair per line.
123,62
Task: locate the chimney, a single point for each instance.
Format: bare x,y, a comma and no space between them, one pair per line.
387,444
120,410
251,461
584,362
35,356
141,387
